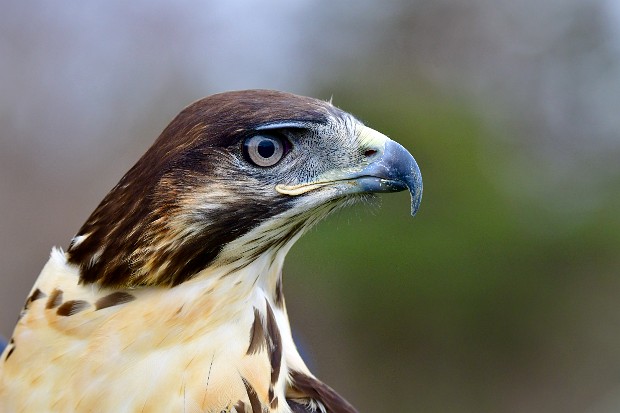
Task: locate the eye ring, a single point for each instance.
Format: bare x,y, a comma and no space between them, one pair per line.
264,149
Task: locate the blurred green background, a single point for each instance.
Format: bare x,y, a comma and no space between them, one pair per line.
501,295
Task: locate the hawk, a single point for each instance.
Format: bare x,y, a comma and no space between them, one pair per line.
169,298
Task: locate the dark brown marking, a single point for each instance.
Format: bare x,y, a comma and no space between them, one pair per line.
274,344
8,354
274,403
55,299
257,335
319,391
279,298
299,407
36,294
240,407
72,307
254,402
113,299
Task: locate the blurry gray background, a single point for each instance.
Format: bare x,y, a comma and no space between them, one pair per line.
502,295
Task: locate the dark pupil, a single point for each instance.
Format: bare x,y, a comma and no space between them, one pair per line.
266,148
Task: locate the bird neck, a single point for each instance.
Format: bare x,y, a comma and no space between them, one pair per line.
231,291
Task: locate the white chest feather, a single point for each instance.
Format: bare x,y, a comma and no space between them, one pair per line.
213,344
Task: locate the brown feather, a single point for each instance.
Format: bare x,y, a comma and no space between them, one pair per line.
240,407
55,299
257,335
321,392
69,308
275,345
254,401
299,407
113,299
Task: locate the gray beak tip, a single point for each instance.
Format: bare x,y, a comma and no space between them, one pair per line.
406,169
416,198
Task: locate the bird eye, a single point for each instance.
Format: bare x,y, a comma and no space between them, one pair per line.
264,150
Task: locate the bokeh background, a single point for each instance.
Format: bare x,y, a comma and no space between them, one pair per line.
502,295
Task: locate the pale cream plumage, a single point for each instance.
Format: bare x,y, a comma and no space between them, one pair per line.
205,320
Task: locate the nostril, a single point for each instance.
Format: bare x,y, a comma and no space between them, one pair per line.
369,153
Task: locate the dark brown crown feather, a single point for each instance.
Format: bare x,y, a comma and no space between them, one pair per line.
186,159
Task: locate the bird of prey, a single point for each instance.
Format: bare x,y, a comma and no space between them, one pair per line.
169,298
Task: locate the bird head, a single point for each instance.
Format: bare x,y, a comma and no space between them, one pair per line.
232,176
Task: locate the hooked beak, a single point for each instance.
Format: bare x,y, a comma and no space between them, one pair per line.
394,170
391,168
